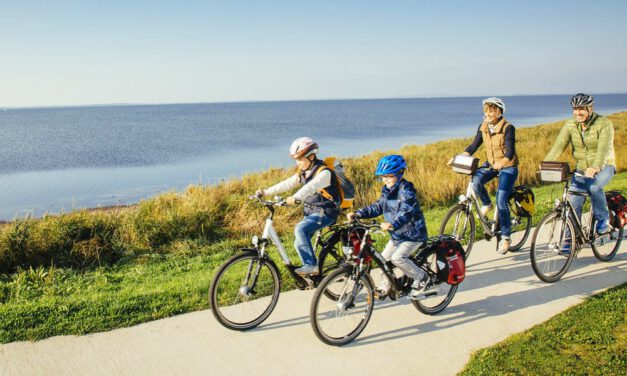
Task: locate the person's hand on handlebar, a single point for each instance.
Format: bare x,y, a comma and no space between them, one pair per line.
386,226
590,172
291,201
450,161
259,193
352,216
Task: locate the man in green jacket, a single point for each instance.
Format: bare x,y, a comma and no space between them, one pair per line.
592,138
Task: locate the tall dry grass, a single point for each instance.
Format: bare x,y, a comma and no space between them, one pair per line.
86,238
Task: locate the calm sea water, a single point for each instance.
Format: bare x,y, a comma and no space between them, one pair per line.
63,158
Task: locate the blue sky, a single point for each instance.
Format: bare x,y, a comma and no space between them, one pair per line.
84,52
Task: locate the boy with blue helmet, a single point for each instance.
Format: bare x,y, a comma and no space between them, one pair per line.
403,219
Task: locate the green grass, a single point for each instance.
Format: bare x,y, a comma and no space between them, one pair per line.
588,339
43,302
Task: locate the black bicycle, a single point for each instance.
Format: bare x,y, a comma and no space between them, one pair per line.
552,250
246,288
340,320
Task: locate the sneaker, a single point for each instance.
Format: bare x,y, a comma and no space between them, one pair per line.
419,287
383,289
307,270
603,227
485,209
565,249
503,247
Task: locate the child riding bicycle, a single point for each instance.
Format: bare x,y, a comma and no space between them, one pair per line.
319,194
403,219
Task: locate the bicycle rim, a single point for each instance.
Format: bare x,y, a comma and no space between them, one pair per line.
521,228
338,322
238,304
547,260
606,246
460,224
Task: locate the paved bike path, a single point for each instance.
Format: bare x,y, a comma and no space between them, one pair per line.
500,296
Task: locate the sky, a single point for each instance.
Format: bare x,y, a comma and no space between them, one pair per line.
105,52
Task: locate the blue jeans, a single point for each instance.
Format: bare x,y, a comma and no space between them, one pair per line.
594,187
507,178
304,230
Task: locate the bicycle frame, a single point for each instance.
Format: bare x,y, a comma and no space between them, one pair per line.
269,234
569,211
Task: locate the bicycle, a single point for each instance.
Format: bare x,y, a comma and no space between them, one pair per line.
339,321
246,288
550,259
460,223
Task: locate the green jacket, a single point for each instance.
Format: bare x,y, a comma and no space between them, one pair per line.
595,148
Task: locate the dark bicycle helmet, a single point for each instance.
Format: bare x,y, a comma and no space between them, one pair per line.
581,100
391,165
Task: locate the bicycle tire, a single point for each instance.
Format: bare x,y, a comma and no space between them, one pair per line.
538,254
224,306
326,267
423,304
322,318
525,222
460,210
615,234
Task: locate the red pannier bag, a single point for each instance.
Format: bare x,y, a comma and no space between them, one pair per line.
618,208
451,264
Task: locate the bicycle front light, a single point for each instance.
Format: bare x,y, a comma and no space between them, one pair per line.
255,240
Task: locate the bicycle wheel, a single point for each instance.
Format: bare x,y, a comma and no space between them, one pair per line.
459,223
548,259
439,296
338,322
606,246
329,261
521,228
244,291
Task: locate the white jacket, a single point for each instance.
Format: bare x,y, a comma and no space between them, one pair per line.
315,185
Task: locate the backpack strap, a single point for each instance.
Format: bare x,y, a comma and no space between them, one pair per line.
323,191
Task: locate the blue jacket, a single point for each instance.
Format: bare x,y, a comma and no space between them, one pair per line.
399,206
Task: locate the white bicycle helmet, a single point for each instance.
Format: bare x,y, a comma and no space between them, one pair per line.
303,147
498,102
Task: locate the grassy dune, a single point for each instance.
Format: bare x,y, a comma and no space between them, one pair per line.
89,271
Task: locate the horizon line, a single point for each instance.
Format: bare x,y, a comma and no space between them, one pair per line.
278,101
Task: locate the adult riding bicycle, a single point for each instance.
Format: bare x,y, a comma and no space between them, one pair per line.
338,321
560,235
459,222
245,289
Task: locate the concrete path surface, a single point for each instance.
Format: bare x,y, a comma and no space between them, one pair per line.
500,296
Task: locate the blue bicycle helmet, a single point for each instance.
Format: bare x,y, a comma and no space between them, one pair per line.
391,165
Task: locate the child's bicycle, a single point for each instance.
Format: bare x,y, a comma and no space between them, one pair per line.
245,289
551,250
339,320
459,222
